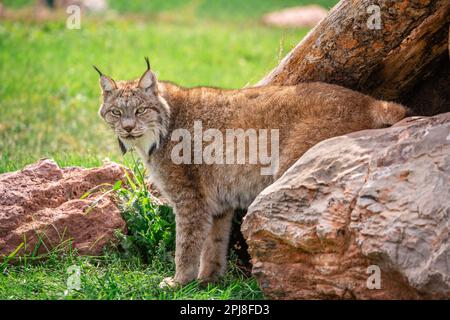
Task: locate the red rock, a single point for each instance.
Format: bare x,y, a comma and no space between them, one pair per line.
375,197
307,16
44,199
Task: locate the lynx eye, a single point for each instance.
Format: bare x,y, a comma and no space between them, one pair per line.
141,110
116,112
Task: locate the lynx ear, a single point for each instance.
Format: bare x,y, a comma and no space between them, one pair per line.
106,83
148,79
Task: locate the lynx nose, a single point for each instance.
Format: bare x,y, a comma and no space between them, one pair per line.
128,125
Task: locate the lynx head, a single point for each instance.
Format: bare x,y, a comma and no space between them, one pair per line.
135,110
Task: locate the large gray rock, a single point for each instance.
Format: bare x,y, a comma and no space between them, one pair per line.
375,197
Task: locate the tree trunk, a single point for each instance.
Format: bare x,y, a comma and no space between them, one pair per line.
402,58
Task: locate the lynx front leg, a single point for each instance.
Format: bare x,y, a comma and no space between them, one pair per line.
192,227
213,260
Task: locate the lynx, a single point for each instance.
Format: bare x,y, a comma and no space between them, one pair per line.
144,113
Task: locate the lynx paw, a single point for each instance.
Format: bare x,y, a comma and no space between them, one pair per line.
208,280
168,282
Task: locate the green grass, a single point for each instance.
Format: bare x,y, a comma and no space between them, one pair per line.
217,9
113,277
49,96
224,9
16,3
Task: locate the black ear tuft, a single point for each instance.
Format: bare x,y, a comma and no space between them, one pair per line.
122,146
99,72
148,63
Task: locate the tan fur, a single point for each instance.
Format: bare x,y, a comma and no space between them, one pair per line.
204,197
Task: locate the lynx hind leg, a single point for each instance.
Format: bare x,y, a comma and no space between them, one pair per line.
213,259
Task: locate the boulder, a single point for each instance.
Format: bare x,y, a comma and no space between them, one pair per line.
296,17
40,207
360,216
